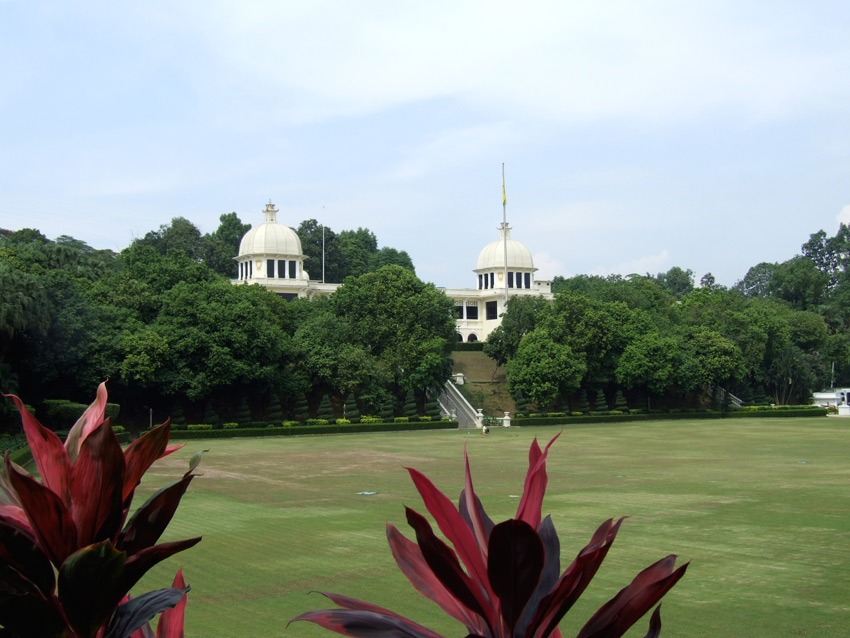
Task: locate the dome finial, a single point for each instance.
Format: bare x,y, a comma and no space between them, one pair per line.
271,213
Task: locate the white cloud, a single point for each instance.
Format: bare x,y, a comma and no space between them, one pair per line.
548,267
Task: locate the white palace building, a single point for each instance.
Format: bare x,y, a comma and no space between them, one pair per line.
270,255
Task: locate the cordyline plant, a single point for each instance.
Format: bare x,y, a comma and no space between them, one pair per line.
67,559
500,581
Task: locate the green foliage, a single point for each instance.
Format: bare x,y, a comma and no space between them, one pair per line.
543,369
325,410
404,323
620,402
230,425
199,426
274,412
410,404
600,405
243,413
210,415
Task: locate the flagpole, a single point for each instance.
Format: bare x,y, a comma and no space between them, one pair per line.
505,231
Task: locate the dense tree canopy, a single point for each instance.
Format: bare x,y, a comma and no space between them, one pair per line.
163,322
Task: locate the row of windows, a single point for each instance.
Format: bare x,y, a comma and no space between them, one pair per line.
246,269
487,280
491,309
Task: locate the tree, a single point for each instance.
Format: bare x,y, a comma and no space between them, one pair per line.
676,281
210,336
222,247
542,369
799,282
318,241
180,235
390,257
407,325
356,247
758,281
650,361
521,317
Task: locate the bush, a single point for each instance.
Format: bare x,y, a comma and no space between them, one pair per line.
615,412
316,422
199,426
290,424
343,422
557,414
370,419
425,418
576,413
400,419
230,426
119,429
468,346
636,411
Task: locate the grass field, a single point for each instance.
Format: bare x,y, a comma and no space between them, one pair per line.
760,507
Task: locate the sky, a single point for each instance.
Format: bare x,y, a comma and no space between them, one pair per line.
635,136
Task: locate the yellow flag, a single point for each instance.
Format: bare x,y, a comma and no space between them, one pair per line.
504,196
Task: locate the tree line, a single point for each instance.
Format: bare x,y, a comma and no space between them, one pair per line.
779,333
163,322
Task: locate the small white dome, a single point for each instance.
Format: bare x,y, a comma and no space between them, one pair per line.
270,238
493,254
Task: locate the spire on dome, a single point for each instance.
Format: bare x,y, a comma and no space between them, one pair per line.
504,231
271,213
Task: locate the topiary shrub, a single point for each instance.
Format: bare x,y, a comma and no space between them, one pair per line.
199,426
230,426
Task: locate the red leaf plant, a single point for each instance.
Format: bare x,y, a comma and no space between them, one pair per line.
68,554
500,581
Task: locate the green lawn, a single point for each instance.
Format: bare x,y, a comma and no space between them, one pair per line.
760,507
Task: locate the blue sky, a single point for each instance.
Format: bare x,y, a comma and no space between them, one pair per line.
636,136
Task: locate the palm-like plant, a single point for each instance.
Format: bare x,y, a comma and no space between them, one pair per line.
500,581
67,558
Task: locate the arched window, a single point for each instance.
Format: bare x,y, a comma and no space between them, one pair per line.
472,337
459,336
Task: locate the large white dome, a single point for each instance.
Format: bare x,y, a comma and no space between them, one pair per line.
270,238
493,254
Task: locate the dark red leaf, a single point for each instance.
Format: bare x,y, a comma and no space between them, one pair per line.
472,507
89,586
486,521
454,528
410,561
141,454
31,615
140,562
18,549
137,611
443,562
149,521
365,624
90,419
171,620
530,506
616,616
514,567
51,459
573,581
549,575
654,624
358,605
97,477
50,521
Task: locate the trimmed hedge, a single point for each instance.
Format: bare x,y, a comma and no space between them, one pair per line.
667,416
469,346
313,429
